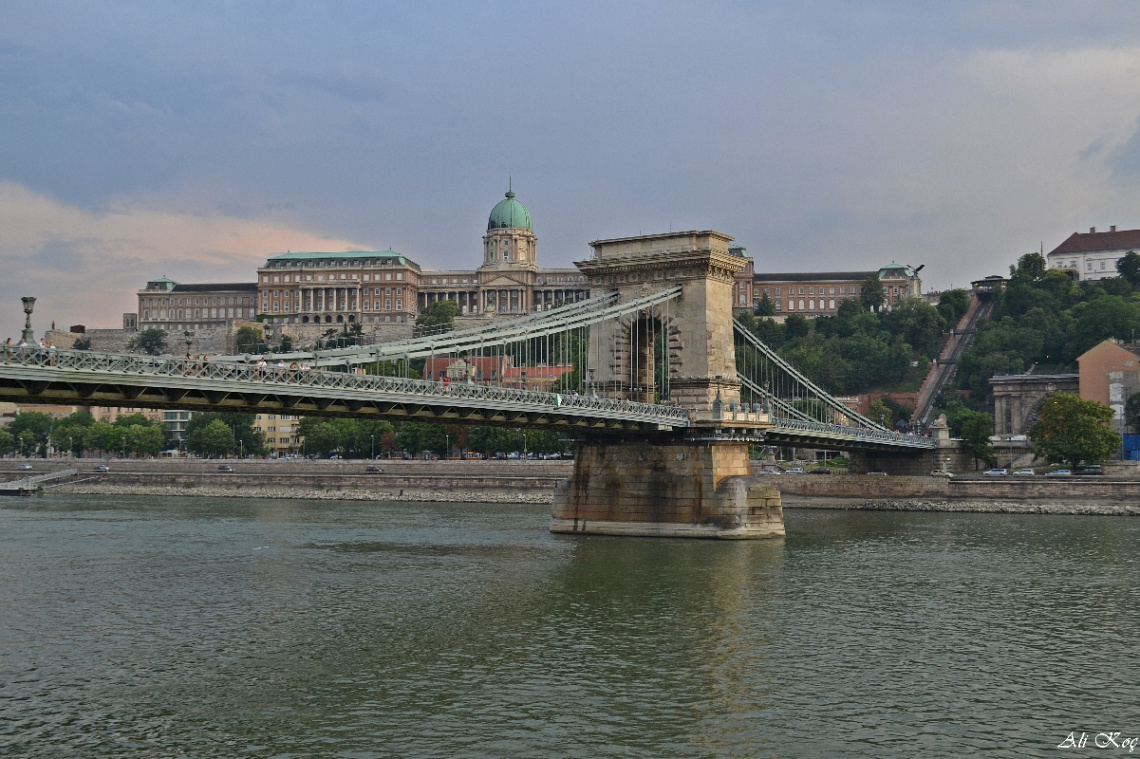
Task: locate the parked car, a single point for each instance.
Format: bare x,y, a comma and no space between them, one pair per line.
821,470
373,470
1059,473
877,473
1091,469
995,472
101,468
1024,473
24,465
225,468
793,470
940,473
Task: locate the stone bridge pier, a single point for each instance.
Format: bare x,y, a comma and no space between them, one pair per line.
689,484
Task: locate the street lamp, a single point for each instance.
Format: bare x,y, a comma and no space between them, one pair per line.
593,388
29,303
373,437
189,336
524,379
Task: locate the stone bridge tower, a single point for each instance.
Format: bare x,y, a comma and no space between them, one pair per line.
697,326
693,484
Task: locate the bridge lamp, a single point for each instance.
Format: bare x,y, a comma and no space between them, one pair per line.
524,379
593,388
29,304
189,336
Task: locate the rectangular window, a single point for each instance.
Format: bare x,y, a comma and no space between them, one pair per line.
831,291
399,275
811,291
399,304
388,304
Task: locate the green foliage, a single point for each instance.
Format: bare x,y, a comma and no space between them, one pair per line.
439,315
151,341
81,344
135,420
918,323
38,426
286,344
1129,267
880,414
976,430
249,340
871,293
1132,412
1070,430
349,438
143,440
26,443
104,437
765,307
242,436
953,305
7,443
215,439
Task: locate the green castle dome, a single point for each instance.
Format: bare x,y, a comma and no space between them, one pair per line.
509,214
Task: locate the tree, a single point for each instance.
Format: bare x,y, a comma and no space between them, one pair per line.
245,439
977,428
26,442
144,441
7,443
1129,267
151,341
286,344
217,439
953,305
1070,430
765,307
135,420
871,293
81,344
879,413
249,340
104,437
37,424
439,315
1132,412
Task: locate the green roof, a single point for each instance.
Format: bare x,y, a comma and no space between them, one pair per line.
344,254
509,214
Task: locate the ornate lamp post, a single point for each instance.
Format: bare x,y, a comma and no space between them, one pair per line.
189,336
29,303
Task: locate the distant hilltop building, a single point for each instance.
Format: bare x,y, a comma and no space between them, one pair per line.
1093,255
305,294
815,294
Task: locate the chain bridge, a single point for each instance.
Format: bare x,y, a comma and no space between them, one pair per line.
662,390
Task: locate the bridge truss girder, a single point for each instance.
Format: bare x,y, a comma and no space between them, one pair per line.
189,395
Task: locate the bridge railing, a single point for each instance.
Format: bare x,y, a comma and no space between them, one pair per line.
857,433
224,373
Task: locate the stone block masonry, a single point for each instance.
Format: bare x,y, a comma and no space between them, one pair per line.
666,489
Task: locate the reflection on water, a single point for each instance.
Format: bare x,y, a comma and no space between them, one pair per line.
283,628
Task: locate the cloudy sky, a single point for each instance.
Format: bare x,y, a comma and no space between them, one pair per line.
196,139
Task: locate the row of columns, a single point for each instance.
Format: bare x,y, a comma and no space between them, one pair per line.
516,300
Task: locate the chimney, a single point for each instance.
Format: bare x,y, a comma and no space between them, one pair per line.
1092,230
1112,228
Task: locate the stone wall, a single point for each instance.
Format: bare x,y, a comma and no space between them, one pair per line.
1013,488
666,489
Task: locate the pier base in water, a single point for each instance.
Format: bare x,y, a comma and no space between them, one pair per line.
675,489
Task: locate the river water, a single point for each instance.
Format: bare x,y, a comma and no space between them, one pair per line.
279,628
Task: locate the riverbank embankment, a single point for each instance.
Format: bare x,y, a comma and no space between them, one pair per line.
533,482
397,480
